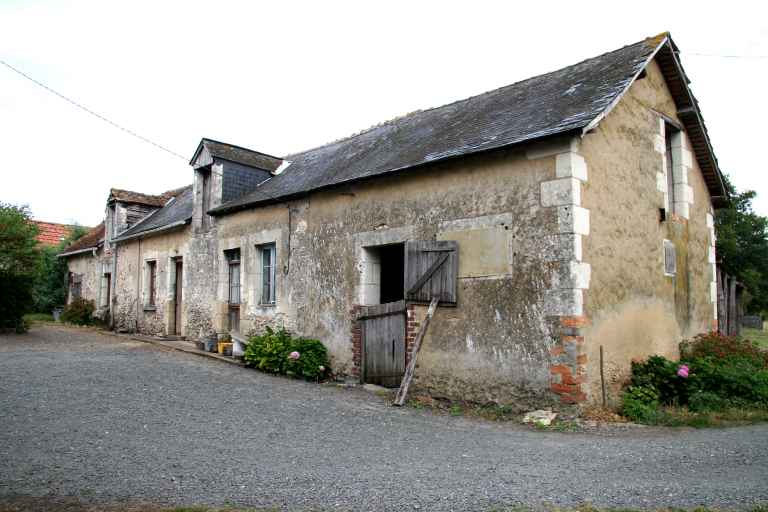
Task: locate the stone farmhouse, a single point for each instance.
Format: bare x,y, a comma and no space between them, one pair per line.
552,217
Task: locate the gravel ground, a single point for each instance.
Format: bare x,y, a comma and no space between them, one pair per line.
106,420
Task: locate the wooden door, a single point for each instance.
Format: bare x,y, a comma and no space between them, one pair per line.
431,270
177,297
383,329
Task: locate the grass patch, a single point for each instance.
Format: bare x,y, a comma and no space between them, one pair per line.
758,336
683,417
38,317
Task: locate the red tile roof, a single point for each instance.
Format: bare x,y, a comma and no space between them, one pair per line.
50,233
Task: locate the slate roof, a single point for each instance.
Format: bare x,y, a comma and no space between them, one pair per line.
90,240
237,154
568,101
174,212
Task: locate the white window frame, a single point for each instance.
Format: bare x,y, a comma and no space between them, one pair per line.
267,274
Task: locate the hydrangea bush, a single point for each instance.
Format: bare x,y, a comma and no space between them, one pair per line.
277,351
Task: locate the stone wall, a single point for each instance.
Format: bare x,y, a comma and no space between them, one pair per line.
633,309
131,308
516,259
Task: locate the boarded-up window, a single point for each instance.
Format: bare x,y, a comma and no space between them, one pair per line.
267,273
431,268
670,258
151,282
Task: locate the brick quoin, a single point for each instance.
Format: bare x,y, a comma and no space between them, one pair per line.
568,373
574,321
356,339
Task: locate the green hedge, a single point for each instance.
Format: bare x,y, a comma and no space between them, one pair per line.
279,352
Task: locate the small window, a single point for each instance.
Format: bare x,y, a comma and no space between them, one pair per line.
206,199
267,273
76,289
670,258
233,261
151,282
669,132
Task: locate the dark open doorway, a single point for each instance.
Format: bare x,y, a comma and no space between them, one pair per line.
392,265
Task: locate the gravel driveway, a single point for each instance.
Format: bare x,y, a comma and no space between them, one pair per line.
106,419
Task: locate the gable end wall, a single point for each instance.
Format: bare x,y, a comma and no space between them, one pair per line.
635,310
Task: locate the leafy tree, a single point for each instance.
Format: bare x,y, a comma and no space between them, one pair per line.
742,245
51,281
19,264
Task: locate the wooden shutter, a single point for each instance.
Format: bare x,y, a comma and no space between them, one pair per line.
431,268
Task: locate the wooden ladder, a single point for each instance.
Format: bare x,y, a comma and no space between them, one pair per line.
408,376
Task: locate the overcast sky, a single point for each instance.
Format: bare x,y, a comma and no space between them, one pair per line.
280,77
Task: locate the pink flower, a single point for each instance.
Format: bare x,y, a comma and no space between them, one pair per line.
683,371
321,368
294,355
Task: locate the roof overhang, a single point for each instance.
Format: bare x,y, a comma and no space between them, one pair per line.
151,232
666,54
79,251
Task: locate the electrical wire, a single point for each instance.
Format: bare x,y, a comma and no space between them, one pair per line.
112,123
95,114
726,56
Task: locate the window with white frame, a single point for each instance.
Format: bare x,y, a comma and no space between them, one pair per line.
268,263
233,263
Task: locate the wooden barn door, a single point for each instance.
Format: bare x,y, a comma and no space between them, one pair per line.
430,271
384,343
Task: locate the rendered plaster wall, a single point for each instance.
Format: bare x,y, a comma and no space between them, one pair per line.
87,265
634,309
495,344
132,311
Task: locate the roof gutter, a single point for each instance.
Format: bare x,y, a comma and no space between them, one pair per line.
79,251
150,232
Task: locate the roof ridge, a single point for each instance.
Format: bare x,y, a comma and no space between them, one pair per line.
654,40
241,147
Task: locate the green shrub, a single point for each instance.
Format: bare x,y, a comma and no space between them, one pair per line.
660,374
640,403
312,363
79,312
703,401
271,352
720,347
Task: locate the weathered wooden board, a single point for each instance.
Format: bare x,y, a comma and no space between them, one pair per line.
431,270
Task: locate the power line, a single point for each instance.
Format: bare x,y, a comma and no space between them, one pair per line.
95,114
727,56
114,124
